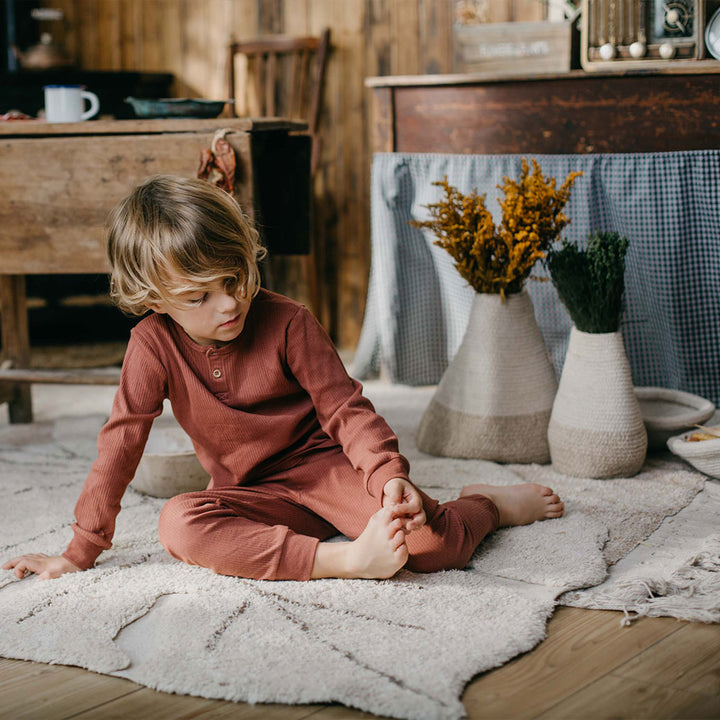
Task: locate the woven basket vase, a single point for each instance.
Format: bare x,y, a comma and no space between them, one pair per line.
494,399
596,428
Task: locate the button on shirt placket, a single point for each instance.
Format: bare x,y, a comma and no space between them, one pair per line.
217,372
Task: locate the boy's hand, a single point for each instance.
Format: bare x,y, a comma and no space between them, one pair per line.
44,566
403,498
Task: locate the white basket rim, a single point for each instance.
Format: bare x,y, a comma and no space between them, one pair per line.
699,409
679,445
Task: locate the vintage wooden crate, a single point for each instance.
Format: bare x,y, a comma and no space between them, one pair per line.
527,48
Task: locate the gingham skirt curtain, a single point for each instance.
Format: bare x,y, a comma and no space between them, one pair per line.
666,204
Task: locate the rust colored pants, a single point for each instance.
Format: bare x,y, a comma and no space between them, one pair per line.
270,530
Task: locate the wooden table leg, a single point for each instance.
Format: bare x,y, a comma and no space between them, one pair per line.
15,345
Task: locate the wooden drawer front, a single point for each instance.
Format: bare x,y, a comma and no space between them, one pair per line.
60,190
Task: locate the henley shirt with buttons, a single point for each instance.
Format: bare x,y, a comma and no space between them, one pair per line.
267,400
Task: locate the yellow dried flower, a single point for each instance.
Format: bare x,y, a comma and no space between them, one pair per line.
498,260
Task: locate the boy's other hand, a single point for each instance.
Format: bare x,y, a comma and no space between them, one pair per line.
403,498
44,566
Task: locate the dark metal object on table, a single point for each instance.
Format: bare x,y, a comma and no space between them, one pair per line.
176,107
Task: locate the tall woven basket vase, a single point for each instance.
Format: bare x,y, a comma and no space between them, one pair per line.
495,398
596,428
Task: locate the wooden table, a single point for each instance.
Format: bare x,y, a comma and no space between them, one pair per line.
60,181
576,112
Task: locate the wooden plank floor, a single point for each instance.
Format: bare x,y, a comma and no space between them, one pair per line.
589,667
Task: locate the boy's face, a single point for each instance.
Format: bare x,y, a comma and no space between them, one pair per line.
209,317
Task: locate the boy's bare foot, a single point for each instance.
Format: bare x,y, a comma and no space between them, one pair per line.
377,553
520,504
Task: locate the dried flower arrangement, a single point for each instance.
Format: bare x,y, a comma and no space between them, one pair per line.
591,282
494,259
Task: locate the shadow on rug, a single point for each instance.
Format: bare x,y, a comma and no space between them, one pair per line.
404,647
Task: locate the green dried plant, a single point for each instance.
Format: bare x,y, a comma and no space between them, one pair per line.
499,259
591,281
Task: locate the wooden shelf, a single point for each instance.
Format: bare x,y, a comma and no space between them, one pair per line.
691,67
84,376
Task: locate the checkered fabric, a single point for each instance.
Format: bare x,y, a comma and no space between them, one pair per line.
666,204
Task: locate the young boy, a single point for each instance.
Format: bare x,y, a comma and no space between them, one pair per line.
295,452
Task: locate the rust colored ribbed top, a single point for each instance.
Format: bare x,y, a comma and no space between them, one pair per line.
265,401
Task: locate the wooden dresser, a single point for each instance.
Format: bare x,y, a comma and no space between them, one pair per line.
576,112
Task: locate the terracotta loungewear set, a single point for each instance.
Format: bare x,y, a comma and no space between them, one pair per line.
295,452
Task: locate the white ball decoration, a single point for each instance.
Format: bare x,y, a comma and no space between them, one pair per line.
637,49
607,51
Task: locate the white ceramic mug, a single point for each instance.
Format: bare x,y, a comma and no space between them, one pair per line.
65,103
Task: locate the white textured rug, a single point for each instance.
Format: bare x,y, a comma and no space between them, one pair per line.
405,647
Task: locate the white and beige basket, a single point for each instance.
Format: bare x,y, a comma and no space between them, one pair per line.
668,412
494,400
703,455
169,465
596,429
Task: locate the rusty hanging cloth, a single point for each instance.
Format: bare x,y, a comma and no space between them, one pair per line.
217,163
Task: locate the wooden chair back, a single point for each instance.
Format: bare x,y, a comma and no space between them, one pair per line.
280,76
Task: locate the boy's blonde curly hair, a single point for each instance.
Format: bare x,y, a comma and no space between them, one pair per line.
174,235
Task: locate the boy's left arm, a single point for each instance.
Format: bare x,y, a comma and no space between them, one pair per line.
344,413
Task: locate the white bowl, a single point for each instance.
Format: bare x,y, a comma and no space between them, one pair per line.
668,412
703,455
169,465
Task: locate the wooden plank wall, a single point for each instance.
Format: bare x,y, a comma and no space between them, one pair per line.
369,37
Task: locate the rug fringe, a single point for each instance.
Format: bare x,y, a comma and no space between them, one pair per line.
692,592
